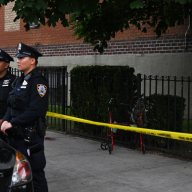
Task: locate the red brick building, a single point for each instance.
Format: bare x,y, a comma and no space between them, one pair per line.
60,42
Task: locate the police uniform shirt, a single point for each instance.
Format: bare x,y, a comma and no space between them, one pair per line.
5,87
28,100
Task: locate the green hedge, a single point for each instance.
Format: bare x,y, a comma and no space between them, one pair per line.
93,86
165,112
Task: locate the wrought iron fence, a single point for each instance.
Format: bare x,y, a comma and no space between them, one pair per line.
58,94
175,87
59,101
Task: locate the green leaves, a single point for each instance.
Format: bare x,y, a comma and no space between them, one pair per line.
109,17
183,2
96,22
30,10
137,4
4,2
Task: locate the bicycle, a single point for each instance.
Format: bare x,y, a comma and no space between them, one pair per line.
109,143
137,119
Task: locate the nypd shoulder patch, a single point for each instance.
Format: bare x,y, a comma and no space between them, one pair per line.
41,89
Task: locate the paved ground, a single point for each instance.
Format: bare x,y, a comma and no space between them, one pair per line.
79,165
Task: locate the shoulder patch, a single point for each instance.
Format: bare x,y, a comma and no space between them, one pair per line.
41,89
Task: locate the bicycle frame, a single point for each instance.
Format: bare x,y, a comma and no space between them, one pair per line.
137,119
110,143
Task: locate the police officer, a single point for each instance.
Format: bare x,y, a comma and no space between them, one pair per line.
6,79
24,121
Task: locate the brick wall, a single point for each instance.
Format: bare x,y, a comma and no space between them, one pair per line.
61,41
9,16
143,46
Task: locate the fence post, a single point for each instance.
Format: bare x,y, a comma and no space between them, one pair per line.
139,84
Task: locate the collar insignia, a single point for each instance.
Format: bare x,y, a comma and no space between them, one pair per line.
19,46
24,82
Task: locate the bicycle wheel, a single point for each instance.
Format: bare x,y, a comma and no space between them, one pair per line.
110,148
104,146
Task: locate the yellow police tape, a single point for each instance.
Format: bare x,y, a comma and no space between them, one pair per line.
158,133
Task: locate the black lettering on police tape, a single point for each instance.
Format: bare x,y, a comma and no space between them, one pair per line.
185,138
164,135
52,114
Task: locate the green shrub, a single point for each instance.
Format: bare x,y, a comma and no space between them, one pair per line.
165,112
93,86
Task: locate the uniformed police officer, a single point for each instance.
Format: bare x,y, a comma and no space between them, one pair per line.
6,79
24,121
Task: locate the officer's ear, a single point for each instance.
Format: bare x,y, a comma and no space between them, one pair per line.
36,61
6,65
33,60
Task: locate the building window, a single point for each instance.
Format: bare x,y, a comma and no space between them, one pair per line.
34,25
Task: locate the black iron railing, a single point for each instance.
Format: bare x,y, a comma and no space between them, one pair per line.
59,102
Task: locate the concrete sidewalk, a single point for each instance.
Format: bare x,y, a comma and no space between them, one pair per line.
79,165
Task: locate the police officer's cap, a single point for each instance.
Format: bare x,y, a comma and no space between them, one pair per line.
24,50
5,56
